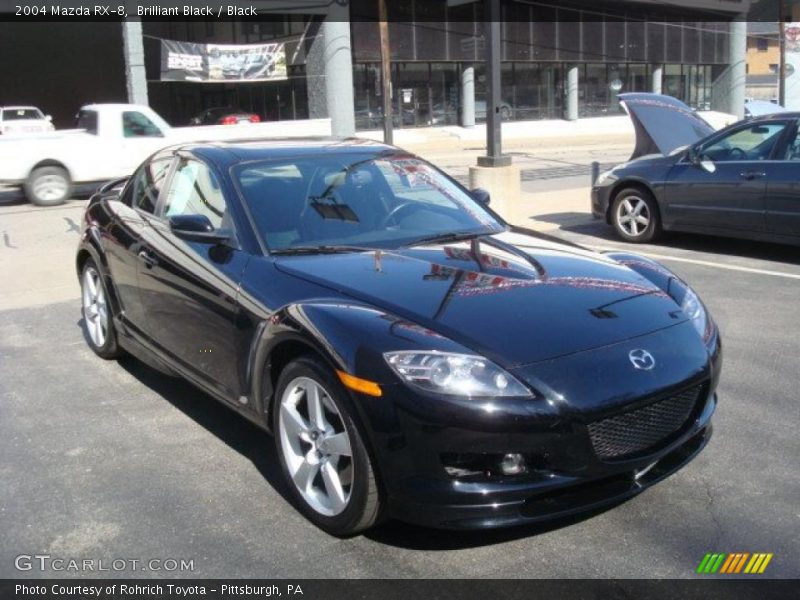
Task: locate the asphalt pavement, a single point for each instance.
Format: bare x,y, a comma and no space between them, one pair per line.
111,460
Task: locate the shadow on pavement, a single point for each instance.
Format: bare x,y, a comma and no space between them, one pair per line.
237,432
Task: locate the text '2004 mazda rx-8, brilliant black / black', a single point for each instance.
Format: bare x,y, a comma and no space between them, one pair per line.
413,355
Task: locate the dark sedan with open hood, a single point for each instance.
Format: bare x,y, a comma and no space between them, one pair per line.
413,355
742,181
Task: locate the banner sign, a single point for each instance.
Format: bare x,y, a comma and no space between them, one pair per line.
792,33
215,63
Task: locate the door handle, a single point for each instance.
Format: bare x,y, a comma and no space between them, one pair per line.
750,175
148,259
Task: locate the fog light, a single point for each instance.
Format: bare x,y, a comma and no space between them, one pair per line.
512,464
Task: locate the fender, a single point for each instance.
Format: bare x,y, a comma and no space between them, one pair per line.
337,331
90,247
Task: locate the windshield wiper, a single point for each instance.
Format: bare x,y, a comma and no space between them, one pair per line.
298,250
457,236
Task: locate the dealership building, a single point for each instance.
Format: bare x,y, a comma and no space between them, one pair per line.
563,59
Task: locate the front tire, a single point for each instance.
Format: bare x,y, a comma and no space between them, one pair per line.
321,451
48,186
635,216
98,324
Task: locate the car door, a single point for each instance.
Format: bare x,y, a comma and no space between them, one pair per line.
783,189
722,183
188,289
129,216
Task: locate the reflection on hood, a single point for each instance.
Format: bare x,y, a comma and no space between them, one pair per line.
662,123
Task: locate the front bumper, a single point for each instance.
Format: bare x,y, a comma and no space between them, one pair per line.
432,453
552,495
600,196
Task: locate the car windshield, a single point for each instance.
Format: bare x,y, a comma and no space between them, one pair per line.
19,114
357,201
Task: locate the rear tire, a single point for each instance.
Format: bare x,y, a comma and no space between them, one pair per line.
635,216
321,451
48,186
98,322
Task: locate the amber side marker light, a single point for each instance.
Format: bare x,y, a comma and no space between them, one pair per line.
370,388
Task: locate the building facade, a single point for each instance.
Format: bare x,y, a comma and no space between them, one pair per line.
609,47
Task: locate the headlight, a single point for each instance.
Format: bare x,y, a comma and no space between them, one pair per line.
454,374
605,177
694,309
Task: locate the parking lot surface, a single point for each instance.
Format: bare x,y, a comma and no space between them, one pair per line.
111,460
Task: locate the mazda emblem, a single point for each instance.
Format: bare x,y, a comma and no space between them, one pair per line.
641,359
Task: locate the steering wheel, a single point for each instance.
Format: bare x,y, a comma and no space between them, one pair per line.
737,154
403,206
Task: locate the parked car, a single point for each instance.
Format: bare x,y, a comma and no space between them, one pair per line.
413,355
23,119
224,116
110,141
741,181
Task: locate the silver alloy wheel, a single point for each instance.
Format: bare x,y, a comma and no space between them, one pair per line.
95,308
50,187
633,215
315,446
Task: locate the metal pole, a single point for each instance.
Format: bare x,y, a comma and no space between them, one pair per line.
494,145
782,58
386,77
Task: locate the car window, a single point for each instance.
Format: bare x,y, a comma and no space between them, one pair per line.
135,124
195,190
363,200
18,114
792,151
753,142
147,183
87,119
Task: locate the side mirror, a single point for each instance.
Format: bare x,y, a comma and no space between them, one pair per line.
48,117
197,228
481,195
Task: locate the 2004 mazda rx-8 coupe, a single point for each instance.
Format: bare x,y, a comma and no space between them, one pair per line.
413,355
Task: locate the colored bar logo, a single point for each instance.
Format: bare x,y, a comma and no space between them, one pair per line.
736,562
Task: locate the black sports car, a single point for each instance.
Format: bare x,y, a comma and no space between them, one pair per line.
742,181
414,356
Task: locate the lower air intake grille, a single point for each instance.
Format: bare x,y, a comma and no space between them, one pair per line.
642,429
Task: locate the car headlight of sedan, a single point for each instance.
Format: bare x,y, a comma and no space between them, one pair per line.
694,309
606,177
455,374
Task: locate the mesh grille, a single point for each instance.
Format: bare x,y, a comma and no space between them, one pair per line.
638,430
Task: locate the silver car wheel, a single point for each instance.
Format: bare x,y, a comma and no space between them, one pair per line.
50,187
95,308
633,216
315,446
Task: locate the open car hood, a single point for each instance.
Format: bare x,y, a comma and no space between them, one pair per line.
662,123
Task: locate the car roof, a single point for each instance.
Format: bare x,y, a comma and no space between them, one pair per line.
227,153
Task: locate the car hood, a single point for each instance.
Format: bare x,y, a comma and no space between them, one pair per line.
514,298
662,123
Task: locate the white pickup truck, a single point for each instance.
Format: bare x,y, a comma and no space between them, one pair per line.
110,142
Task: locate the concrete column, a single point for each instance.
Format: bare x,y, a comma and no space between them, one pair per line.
571,93
658,78
737,50
468,97
315,70
338,59
135,75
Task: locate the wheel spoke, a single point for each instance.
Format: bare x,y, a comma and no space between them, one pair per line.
638,208
294,423
304,476
642,220
333,486
316,410
628,207
338,444
91,284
